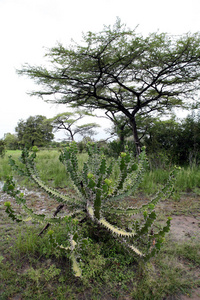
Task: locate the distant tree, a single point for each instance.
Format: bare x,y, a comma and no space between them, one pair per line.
68,121
35,131
11,141
118,70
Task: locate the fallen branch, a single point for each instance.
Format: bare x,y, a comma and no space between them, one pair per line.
58,209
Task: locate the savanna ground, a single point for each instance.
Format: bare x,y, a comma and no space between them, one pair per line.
30,269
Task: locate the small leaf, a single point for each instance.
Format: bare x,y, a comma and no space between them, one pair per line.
151,206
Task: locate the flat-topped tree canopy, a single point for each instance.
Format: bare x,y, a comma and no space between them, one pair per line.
119,70
68,121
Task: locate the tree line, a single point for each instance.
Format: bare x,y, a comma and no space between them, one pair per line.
171,141
167,141
39,131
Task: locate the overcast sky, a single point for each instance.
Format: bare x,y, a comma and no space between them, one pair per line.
30,26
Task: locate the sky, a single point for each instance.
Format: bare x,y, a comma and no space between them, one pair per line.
29,27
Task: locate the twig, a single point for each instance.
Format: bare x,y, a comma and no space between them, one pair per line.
58,208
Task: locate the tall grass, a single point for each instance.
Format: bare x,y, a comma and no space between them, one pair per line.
48,165
5,169
53,172
153,180
188,179
50,169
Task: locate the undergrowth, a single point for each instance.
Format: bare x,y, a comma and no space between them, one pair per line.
32,269
52,171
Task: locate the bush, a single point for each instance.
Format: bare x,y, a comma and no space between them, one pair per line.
2,148
114,148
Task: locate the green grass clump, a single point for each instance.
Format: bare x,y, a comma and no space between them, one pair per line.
153,180
50,169
188,251
188,179
5,168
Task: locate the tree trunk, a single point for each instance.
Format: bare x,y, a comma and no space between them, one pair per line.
135,135
71,134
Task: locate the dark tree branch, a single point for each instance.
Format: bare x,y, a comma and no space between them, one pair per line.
58,209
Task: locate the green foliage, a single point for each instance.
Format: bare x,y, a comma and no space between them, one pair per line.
108,271
35,131
189,140
174,141
37,275
114,148
2,148
11,141
95,200
9,210
35,149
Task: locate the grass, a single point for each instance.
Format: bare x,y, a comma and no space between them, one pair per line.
27,270
31,269
53,172
187,180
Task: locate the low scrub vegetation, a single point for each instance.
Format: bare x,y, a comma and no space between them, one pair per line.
53,172
43,267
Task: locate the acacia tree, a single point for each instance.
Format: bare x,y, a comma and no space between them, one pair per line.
120,71
68,121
